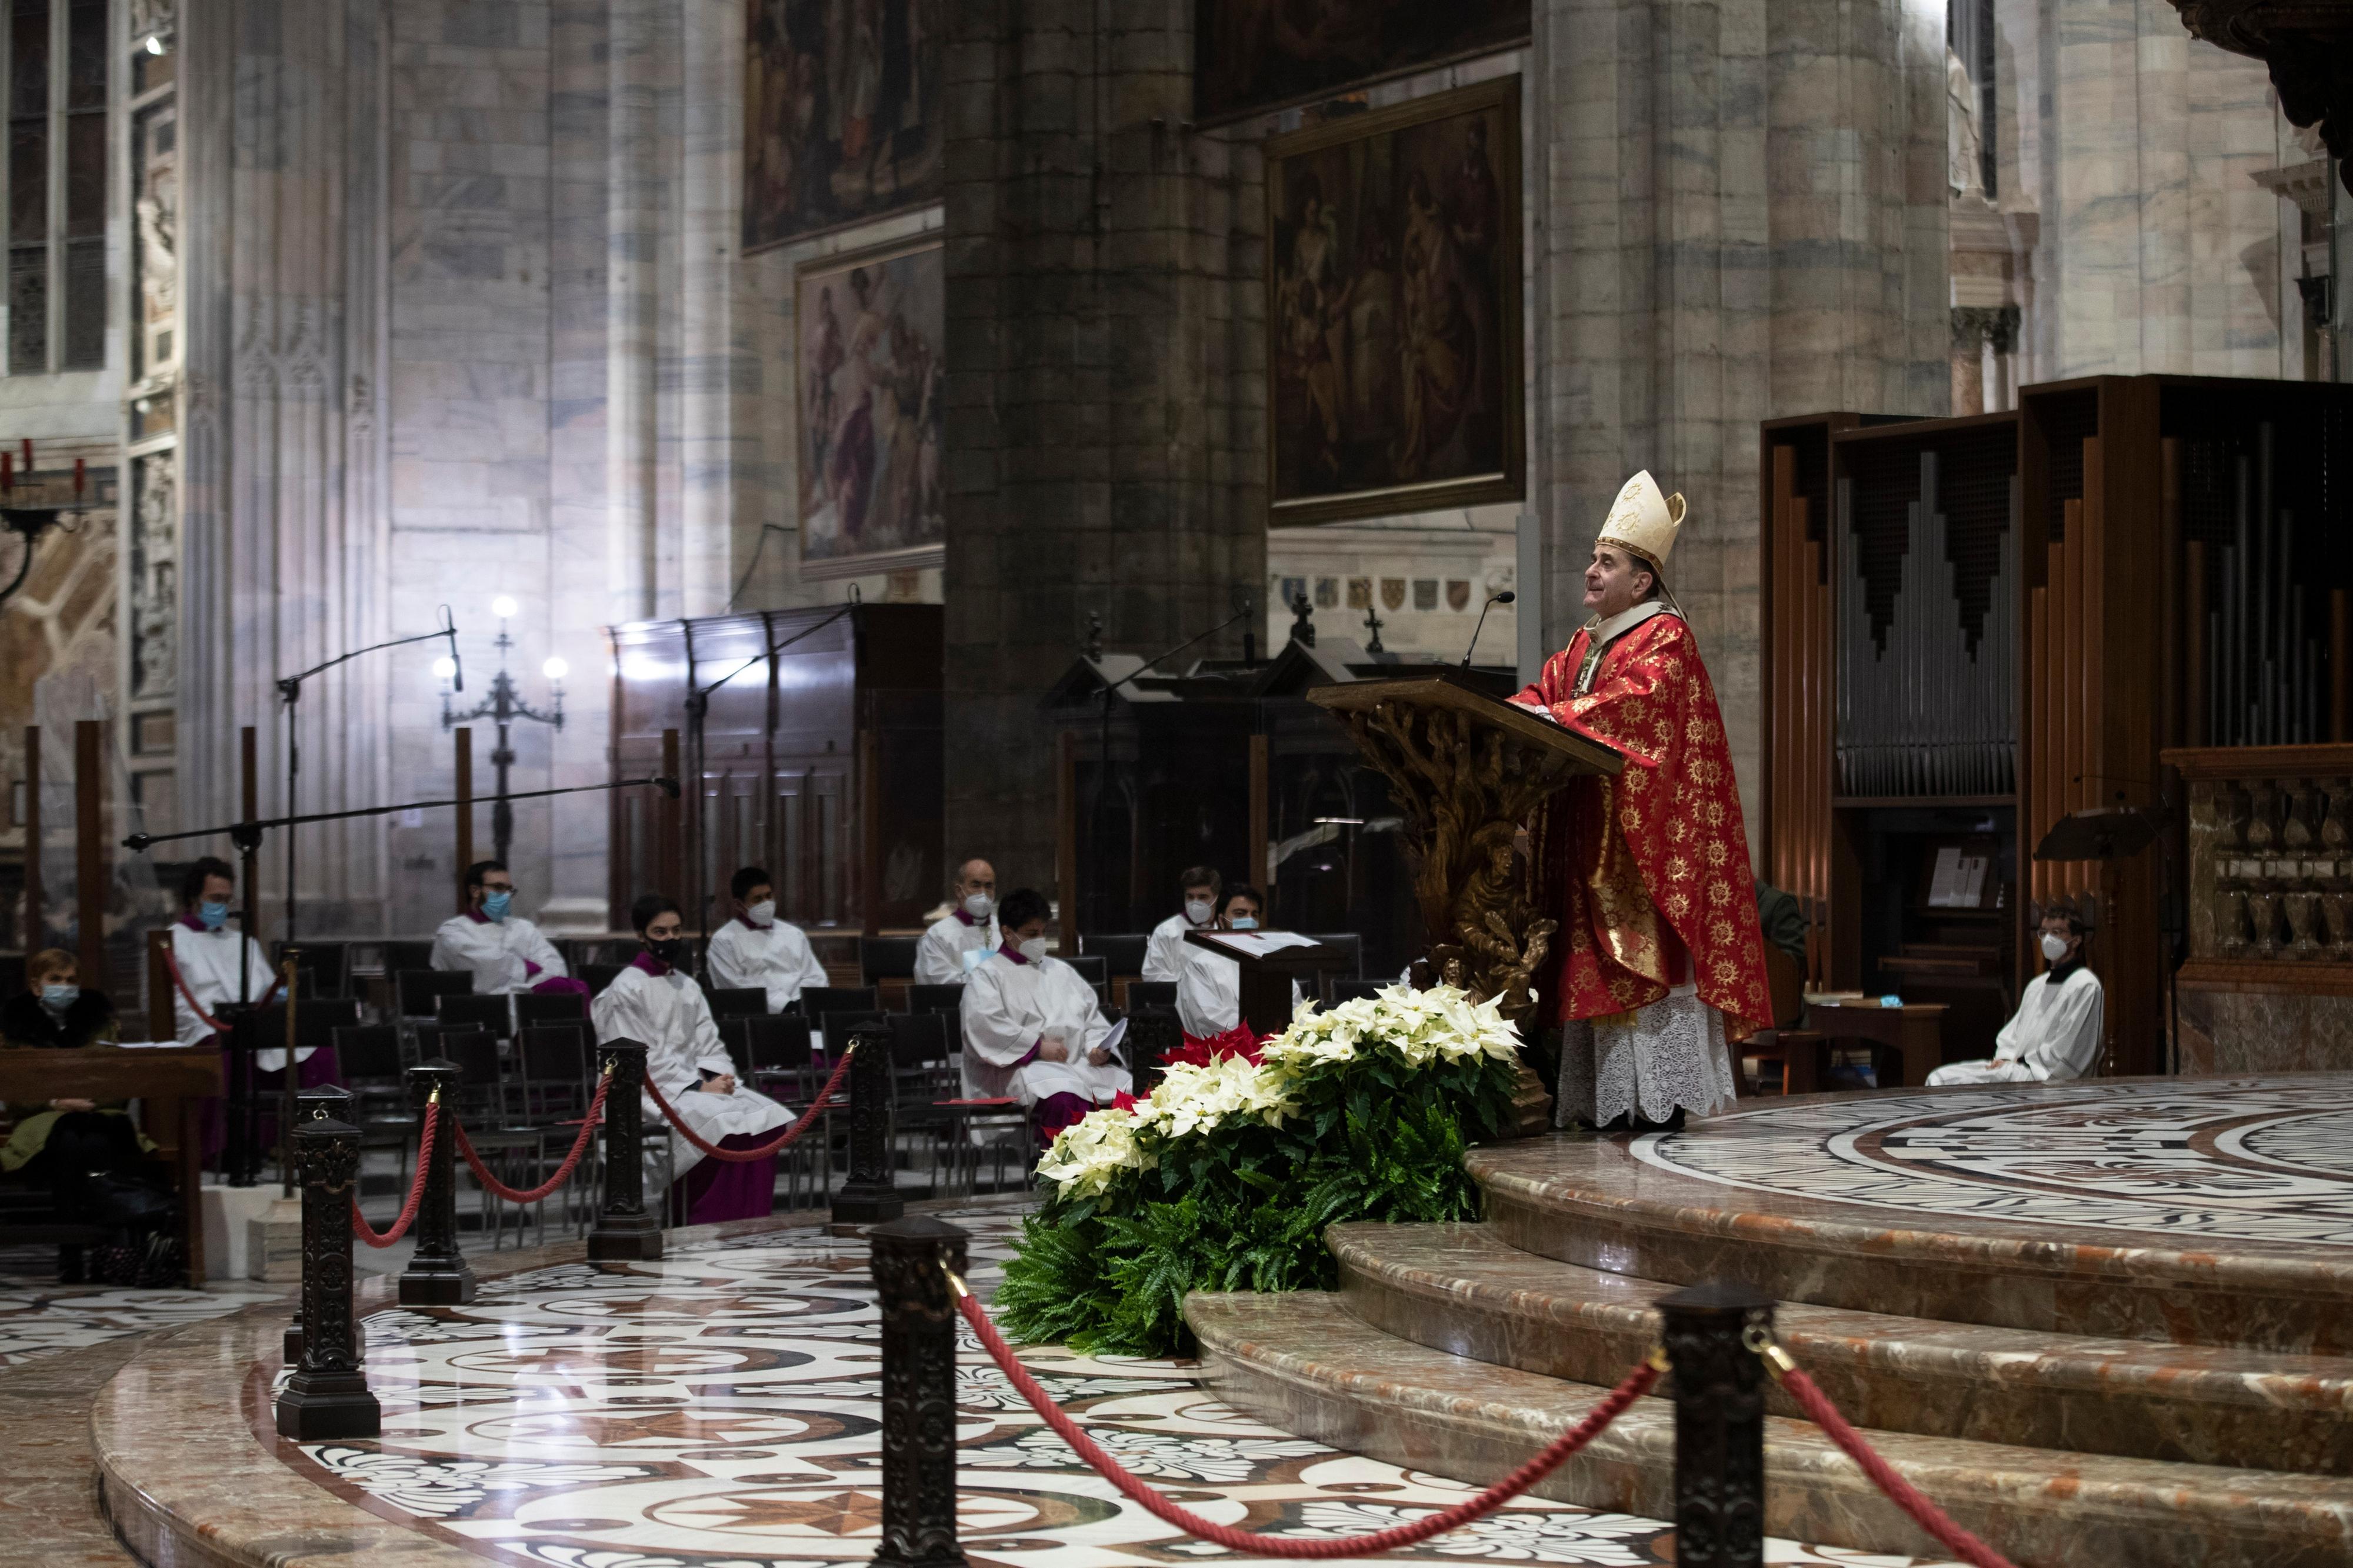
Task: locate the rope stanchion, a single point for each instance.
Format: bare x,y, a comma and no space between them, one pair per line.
782,1141
1619,1399
1900,1492
589,1121
400,1227
180,983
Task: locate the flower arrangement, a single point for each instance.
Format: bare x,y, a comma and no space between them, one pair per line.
1225,1177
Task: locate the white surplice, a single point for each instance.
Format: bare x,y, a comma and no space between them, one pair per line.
498,954
954,946
210,962
1010,1007
668,1014
1672,1052
775,958
2056,1035
1209,991
1163,954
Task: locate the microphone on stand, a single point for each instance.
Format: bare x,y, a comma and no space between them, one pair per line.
668,786
456,664
1504,597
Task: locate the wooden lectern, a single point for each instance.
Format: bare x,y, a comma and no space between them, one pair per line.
1267,975
1466,769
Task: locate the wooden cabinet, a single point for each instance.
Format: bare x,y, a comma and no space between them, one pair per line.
820,760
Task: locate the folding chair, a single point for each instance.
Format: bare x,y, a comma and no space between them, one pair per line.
818,1000
463,1010
936,998
532,1007
419,991
1143,993
741,1002
483,1096
328,963
374,1069
775,1055
399,956
1092,970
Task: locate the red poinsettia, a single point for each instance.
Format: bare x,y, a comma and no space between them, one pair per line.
1238,1041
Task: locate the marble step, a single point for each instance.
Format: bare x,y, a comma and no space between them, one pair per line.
1593,1202
1304,1362
1461,1289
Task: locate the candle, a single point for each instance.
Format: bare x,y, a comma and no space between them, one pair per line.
7,471
80,477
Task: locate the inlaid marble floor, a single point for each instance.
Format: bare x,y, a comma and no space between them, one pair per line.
40,1316
716,1410
2247,1159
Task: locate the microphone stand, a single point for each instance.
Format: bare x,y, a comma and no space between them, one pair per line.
290,687
698,707
139,843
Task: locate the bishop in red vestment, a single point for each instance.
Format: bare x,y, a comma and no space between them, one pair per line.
1661,960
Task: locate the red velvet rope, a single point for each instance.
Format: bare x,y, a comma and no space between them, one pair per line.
589,1121
206,1019
1900,1492
1638,1383
785,1140
400,1227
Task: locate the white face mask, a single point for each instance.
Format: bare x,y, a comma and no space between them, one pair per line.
979,906
763,913
1197,912
2054,947
1034,948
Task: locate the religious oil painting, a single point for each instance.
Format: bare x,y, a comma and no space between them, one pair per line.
1256,55
870,383
842,112
1393,310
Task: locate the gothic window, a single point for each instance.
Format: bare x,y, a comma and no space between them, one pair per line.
57,173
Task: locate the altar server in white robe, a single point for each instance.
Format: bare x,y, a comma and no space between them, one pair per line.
654,1001
1209,986
2057,1033
961,941
757,952
222,967
1164,955
504,952
1033,1028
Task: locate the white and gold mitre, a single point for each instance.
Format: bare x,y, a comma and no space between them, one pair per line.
1643,521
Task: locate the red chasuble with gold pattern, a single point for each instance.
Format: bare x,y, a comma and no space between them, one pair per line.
1648,873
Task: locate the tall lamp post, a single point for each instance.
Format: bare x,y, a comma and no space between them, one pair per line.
503,708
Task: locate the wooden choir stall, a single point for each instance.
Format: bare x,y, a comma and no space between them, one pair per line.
820,758
1973,628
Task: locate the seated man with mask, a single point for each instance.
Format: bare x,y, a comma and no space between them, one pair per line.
961,941
757,952
2056,1032
655,1002
1209,986
1033,1029
1164,955
504,951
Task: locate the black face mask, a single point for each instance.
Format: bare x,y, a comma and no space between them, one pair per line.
669,949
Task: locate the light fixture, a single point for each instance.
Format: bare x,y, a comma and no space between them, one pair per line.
503,607
444,668
154,43
555,670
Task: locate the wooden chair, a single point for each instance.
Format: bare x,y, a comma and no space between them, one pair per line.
1796,1052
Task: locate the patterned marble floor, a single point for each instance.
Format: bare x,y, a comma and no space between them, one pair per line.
40,1316
716,1410
2228,1158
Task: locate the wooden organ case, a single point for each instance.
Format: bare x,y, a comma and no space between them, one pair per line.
822,761
1974,626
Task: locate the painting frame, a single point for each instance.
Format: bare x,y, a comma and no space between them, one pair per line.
766,226
1212,108
809,279
1503,381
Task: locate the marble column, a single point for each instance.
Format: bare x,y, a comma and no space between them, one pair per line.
283,538
1743,216
1105,427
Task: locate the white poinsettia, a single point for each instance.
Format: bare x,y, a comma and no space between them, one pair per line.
1414,1028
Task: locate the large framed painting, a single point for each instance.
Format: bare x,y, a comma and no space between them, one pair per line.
842,112
869,383
1393,310
1250,55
